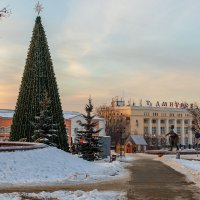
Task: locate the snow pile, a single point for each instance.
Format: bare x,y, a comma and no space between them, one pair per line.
190,168
66,195
52,166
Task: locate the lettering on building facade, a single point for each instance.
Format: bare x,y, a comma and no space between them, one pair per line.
170,104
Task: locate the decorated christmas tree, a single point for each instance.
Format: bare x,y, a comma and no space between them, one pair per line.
88,145
38,79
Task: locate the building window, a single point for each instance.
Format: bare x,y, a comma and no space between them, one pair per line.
163,114
186,121
178,121
155,114
145,130
171,121
162,130
7,129
162,121
146,114
153,130
146,121
186,130
171,114
186,140
154,121
178,130
127,120
2,130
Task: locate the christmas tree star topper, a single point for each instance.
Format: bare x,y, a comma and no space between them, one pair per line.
38,8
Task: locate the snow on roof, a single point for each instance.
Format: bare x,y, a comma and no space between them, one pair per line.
138,139
4,113
98,118
69,115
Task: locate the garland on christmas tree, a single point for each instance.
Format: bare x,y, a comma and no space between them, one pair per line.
87,141
38,79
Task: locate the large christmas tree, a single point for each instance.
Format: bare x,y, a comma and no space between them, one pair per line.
38,79
87,141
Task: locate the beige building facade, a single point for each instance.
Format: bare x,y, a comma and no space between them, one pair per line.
153,122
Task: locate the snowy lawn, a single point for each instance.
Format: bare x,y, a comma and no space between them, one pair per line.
66,195
190,168
51,166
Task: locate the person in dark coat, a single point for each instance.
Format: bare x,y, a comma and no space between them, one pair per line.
173,138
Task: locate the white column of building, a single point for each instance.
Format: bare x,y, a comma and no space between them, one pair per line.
158,127
150,127
167,126
175,125
158,132
190,132
167,129
182,132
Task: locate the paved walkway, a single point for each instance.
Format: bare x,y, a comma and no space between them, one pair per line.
149,180
152,180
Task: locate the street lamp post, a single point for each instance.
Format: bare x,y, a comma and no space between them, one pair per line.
121,144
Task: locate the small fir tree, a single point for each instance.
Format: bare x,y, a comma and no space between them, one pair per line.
45,131
87,141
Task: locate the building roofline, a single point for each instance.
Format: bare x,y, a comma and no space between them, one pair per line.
158,108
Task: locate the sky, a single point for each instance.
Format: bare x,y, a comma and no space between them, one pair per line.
135,49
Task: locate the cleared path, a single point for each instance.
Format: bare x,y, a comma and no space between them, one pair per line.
149,180
152,180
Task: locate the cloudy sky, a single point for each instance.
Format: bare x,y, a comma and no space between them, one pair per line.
139,49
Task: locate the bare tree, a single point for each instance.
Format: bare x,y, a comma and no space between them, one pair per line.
4,12
195,112
115,122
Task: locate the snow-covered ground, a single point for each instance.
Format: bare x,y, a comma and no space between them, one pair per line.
66,195
52,166
191,168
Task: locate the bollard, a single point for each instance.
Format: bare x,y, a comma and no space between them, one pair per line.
178,155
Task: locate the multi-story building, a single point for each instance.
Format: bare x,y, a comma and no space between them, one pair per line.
153,122
5,123
71,122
